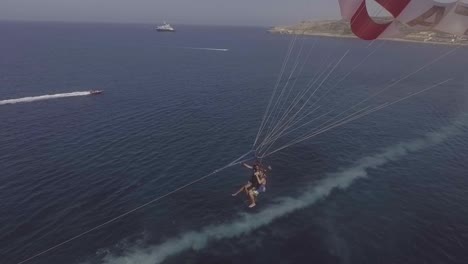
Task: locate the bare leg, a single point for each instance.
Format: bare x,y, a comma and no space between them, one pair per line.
247,190
252,199
243,188
239,191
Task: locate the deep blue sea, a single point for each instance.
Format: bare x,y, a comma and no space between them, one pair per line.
389,187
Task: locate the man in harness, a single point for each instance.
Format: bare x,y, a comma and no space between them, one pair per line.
255,185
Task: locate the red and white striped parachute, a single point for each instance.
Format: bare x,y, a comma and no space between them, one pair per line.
451,18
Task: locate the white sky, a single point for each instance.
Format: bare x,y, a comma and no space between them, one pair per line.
222,12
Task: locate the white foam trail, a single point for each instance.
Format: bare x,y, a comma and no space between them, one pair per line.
42,97
211,49
249,222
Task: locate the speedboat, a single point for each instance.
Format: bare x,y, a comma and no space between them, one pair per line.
95,92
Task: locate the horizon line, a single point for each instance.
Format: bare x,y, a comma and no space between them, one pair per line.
153,23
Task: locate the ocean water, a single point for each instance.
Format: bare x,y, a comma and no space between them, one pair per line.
390,187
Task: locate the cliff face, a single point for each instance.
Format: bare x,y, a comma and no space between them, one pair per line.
340,28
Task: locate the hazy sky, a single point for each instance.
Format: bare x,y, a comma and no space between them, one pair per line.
231,12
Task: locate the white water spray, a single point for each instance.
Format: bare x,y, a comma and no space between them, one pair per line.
208,49
248,222
42,98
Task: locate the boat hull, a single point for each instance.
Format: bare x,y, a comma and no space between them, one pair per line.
95,92
165,30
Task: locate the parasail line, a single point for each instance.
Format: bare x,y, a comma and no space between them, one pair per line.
352,70
280,97
299,96
315,128
286,86
283,133
399,80
319,86
233,163
265,119
280,76
347,120
309,86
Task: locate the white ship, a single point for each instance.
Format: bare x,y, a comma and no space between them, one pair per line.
165,28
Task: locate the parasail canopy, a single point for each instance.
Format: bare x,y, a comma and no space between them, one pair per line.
449,17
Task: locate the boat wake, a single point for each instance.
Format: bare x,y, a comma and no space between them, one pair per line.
246,223
209,49
42,97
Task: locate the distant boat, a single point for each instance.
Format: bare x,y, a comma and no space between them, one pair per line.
165,28
95,92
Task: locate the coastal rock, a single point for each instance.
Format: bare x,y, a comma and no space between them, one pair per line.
341,28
